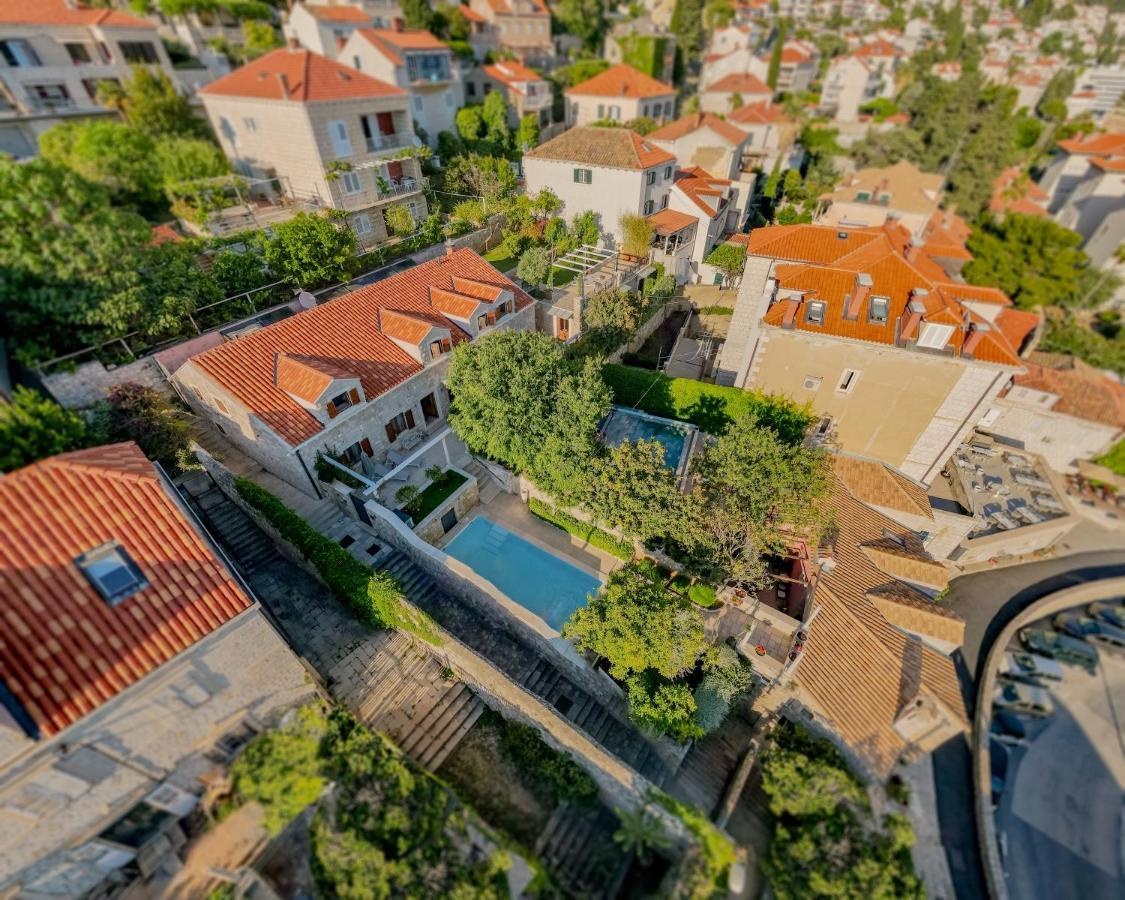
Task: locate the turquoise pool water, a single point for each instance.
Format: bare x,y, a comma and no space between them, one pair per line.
628,424
537,580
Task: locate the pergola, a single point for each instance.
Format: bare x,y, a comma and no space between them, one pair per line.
582,261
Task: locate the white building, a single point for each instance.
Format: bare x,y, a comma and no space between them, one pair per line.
619,94
325,29
732,92
703,139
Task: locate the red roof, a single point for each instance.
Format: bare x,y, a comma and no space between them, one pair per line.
694,122
162,234
511,73
671,221
740,84
338,13
1014,191
1083,391
702,188
393,44
757,114
308,77
346,331
64,650
58,12
471,14
877,48
622,81
1096,145
827,263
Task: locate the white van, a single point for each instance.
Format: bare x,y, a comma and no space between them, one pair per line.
1023,698
1030,668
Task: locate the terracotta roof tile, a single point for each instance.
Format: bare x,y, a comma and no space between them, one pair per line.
744,84
693,122
454,304
671,221
511,73
622,81
1083,392
481,290
345,330
701,188
309,77
910,189
877,484
337,13
406,326
307,377
1096,145
757,114
393,44
64,651
616,148
59,12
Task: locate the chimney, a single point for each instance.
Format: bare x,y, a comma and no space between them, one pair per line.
863,285
976,335
915,309
284,82
449,248
790,317
398,25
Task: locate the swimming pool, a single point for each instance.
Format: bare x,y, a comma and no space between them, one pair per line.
629,424
537,580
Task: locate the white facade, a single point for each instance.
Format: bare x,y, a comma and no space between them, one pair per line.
850,83
321,34
585,109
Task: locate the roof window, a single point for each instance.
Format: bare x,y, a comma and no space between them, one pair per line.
112,572
815,312
878,310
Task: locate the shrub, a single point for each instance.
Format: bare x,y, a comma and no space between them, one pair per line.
718,851
134,412
556,771
710,406
373,597
591,534
702,595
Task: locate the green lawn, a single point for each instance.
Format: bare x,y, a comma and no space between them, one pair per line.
1114,459
563,277
497,258
435,494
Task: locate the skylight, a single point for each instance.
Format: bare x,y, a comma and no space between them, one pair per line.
112,572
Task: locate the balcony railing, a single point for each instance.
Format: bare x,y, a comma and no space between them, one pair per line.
405,185
387,142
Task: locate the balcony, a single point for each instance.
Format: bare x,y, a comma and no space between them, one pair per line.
538,100
383,142
402,186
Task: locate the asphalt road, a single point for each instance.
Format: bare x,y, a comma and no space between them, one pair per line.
987,601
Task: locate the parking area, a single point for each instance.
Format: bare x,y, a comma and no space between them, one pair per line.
1060,786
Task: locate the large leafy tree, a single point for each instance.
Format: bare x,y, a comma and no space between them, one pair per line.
1036,262
309,250
638,625
585,19
486,177
109,153
687,25
150,102
632,489
563,464
135,412
33,427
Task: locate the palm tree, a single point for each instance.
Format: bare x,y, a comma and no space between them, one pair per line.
639,832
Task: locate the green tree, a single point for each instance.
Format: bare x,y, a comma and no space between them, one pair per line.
687,26
955,32
731,259
1052,105
1036,262
632,489
260,37
486,177
33,427
417,14
494,119
717,14
639,833
109,153
181,159
309,250
774,69
150,103
615,308
637,625
585,19
470,124
580,400
585,229
399,219
665,707
135,412
534,266
637,232
527,136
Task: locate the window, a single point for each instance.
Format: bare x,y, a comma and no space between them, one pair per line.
404,421
250,123
847,381
863,196
648,207
614,113
664,202
361,224
601,110
482,322
668,108
650,177
470,89
341,141
449,99
417,104
356,63
815,312
112,572
351,183
139,52
218,404
934,337
340,402
583,176
352,454
667,172
49,96
79,54
437,348
430,67
811,382
878,310
19,54
885,199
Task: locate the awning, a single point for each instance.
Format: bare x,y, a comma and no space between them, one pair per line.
560,313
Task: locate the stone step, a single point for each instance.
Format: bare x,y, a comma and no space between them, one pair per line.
442,730
435,762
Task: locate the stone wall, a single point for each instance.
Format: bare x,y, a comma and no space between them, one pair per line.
644,332
460,501
90,382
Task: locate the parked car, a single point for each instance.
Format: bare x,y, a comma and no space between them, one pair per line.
998,764
1023,698
1080,626
1112,612
1060,647
1030,668
1008,728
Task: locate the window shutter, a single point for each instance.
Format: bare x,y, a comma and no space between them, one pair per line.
353,395
366,445
446,345
341,141
391,433
331,410
410,418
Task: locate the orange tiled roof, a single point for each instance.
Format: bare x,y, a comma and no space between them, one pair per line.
621,81
757,114
471,14
309,77
945,235
59,12
1109,165
1096,145
877,484
740,84
694,122
671,221
345,330
617,148
701,188
163,234
338,13
64,651
452,303
481,290
793,55
827,262
505,8
877,48
511,73
393,44
1083,392
860,669
307,377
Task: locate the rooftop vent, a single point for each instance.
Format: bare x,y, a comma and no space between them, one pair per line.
842,235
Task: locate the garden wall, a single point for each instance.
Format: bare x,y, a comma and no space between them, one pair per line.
460,501
90,382
646,329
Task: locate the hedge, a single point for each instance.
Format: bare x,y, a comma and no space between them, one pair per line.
373,596
591,534
710,406
549,768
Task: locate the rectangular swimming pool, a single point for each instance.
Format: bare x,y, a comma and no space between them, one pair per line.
538,581
629,424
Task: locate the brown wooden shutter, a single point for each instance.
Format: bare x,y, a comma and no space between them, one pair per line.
394,170
366,445
331,410
353,395
386,122
391,433
410,418
446,345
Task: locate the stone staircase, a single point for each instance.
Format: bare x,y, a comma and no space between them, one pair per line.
487,485
577,844
247,545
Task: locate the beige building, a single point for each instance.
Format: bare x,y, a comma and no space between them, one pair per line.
54,54
524,90
358,378
870,197
324,29
732,92
620,94
897,360
334,138
133,663
522,27
704,140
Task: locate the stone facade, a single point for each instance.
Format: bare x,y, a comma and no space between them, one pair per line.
90,382
460,501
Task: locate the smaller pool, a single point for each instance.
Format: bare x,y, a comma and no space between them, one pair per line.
628,424
538,581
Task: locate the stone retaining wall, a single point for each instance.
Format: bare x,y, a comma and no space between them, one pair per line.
460,501
644,332
91,381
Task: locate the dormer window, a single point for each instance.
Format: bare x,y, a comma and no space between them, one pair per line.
934,337
438,347
863,196
814,314
112,573
879,310
341,402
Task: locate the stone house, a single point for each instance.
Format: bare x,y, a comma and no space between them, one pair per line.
899,360
325,29
323,134
417,62
357,376
522,27
133,664
871,197
619,94
55,54
524,90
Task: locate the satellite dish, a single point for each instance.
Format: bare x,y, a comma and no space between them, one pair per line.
306,300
